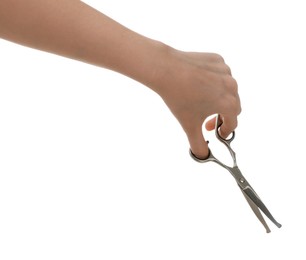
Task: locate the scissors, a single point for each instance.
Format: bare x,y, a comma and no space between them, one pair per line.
252,198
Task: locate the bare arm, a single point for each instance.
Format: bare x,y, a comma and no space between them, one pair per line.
73,29
193,85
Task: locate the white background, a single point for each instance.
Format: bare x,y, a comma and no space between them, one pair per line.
94,166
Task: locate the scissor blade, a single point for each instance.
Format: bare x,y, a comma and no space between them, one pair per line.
257,201
257,212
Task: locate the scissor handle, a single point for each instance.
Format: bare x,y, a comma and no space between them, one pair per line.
226,141
210,157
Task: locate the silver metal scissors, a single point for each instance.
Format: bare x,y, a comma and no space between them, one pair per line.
252,198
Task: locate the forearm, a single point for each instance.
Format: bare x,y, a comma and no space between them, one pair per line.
73,29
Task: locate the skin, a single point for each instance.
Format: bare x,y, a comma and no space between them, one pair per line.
193,85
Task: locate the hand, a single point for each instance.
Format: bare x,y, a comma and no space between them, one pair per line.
195,86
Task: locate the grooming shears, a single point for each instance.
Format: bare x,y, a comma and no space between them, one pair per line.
252,198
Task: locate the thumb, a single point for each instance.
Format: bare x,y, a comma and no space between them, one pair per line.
197,142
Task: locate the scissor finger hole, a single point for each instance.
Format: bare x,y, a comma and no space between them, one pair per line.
229,138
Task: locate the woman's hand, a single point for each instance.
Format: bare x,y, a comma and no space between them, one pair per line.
195,86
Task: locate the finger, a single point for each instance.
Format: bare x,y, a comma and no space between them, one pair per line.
214,57
197,142
228,126
210,124
220,68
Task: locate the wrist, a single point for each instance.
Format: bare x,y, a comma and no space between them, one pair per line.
150,64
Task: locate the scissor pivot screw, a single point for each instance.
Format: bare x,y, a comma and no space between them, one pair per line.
241,180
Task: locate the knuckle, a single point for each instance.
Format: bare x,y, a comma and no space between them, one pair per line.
230,83
236,108
239,110
231,105
227,69
217,57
